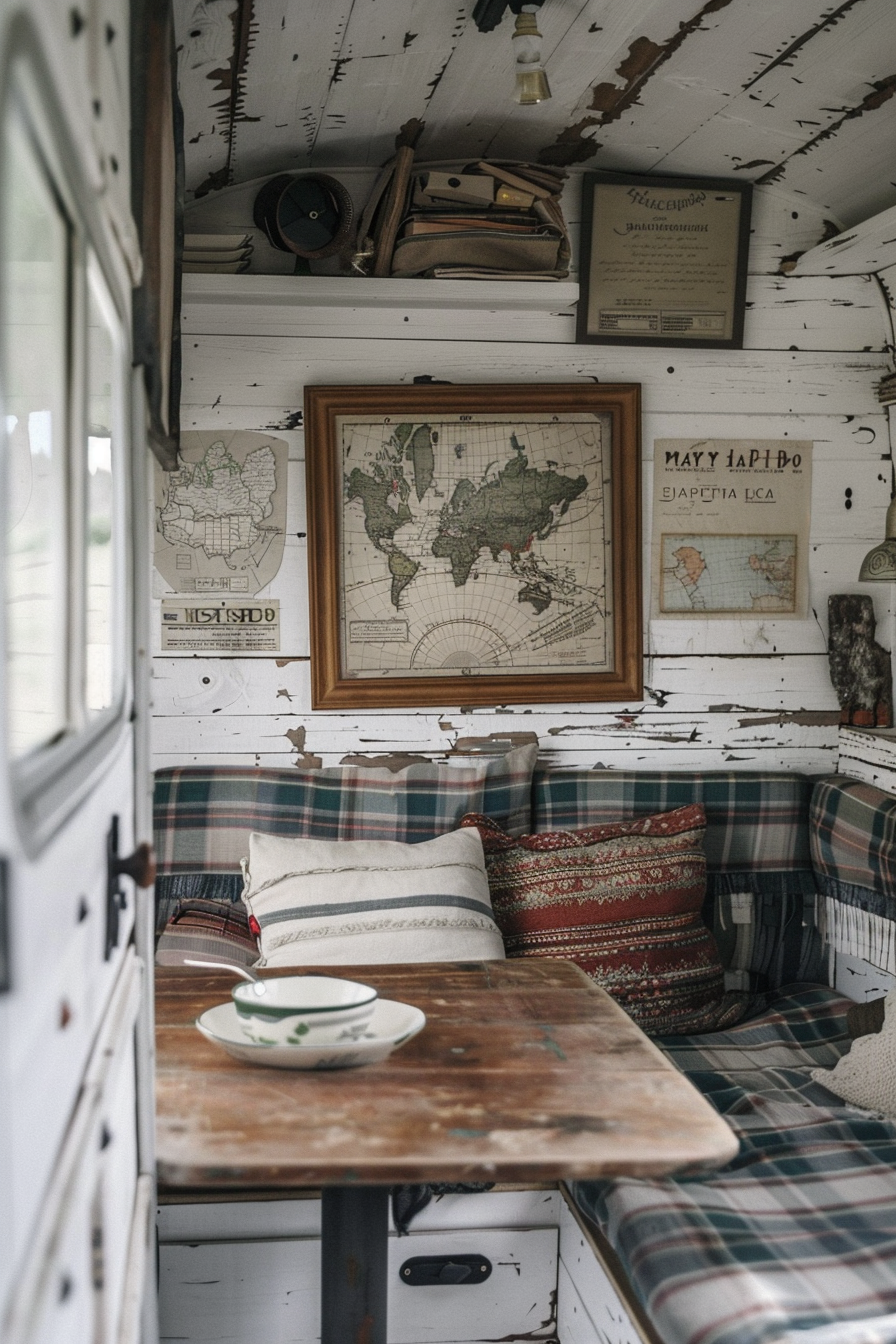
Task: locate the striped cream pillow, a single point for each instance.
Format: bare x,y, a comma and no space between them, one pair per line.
326,902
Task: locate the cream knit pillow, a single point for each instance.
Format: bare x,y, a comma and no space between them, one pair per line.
866,1077
322,902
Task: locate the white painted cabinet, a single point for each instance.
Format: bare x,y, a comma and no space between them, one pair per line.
75,1169
249,1271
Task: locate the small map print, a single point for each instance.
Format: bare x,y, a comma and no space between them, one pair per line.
220,518
475,545
748,575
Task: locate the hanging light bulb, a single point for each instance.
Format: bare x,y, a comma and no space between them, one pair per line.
531,80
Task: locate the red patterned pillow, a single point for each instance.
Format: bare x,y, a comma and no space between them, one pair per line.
623,901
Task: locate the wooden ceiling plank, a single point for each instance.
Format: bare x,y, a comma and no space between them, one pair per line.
730,49
853,170
869,247
393,57
787,108
291,64
205,36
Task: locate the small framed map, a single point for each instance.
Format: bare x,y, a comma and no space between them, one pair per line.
473,544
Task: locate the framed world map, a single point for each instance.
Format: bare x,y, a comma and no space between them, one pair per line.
473,544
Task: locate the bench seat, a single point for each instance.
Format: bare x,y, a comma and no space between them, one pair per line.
795,1240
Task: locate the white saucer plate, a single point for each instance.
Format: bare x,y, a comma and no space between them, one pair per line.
390,1026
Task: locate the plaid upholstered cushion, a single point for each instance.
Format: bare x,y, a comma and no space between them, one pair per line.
796,1238
853,829
204,815
761,891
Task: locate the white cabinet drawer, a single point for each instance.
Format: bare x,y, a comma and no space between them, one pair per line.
64,1307
71,1284
246,1291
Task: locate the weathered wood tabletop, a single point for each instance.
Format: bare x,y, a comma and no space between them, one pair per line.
525,1071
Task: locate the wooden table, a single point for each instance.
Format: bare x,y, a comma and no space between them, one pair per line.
526,1071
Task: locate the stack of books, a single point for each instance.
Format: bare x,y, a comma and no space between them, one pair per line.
886,389
485,221
224,253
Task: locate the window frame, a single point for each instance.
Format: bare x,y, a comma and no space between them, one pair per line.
49,782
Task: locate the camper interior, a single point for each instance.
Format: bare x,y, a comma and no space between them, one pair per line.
346,386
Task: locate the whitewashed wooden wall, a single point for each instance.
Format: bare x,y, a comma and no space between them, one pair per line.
750,694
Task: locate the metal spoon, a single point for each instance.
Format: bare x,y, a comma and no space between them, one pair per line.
254,980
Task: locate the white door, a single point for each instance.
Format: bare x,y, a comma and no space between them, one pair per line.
72,1204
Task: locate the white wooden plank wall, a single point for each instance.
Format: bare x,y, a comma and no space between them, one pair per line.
748,694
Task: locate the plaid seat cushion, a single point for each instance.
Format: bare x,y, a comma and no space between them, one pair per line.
853,840
761,890
795,1240
203,815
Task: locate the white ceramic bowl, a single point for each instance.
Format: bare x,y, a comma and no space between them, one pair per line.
390,1026
304,1010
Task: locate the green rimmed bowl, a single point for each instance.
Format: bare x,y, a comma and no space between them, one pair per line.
304,1010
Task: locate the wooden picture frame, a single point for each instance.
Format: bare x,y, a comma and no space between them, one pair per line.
458,529
663,261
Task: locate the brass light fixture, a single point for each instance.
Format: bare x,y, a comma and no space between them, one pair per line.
531,81
879,565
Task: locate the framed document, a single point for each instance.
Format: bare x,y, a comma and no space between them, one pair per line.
663,260
473,545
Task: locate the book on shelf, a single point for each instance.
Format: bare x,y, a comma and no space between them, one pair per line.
216,253
417,225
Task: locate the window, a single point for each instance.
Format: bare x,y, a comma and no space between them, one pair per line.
104,360
63,372
35,295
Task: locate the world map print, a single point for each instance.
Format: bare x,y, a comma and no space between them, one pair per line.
221,516
740,574
475,545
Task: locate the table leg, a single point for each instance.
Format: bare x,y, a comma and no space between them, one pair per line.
354,1264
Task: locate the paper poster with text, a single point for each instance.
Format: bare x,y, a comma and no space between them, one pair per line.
220,625
731,528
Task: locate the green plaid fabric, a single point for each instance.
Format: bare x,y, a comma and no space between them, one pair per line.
755,822
853,829
795,1240
204,815
761,891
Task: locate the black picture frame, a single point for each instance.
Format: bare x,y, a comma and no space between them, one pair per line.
678,225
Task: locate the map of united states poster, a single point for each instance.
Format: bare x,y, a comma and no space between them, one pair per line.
476,544
220,518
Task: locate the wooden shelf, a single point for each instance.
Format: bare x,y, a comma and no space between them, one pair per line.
360,292
400,309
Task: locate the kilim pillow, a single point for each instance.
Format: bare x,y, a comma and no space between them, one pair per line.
322,902
623,901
